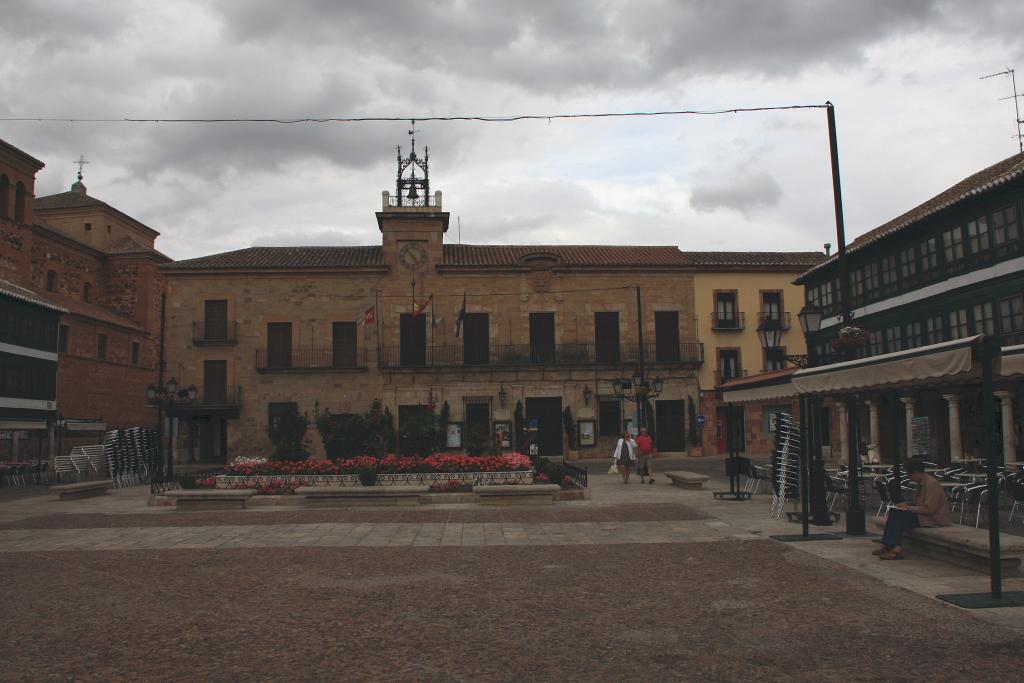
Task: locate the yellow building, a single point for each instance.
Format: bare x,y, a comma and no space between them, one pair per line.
733,293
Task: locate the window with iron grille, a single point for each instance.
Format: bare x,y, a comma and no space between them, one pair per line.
135,353
101,346
728,364
62,338
774,359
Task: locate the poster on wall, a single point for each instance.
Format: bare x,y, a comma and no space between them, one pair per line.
921,437
503,434
588,433
453,435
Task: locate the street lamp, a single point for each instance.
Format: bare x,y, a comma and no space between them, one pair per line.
769,333
165,397
639,391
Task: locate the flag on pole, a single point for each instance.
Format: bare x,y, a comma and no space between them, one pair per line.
418,309
367,317
462,315
434,320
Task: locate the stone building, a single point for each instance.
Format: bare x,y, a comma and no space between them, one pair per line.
735,292
100,265
267,330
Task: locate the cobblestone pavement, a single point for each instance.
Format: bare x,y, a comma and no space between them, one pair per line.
638,582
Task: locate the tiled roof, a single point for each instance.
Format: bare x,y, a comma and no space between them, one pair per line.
567,255
995,175
796,259
14,291
285,257
66,200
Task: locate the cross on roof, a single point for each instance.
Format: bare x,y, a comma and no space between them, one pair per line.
81,161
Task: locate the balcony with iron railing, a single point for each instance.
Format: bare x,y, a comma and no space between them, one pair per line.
781,319
420,201
722,377
727,322
311,360
215,332
219,396
689,354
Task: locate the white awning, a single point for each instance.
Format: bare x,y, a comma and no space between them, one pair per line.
72,426
22,424
783,390
1012,361
943,362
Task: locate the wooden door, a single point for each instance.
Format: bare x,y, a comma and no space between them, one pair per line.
215,325
548,414
344,345
279,345
606,337
666,336
215,381
671,425
542,337
475,340
413,339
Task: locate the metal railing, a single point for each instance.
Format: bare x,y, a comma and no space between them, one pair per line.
182,480
213,332
721,377
781,319
311,360
421,200
579,475
735,321
687,353
219,396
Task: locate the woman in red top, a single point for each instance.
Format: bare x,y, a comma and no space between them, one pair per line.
645,449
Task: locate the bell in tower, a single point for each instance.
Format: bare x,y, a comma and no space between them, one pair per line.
413,191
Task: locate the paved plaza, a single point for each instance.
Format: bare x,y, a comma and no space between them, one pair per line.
639,582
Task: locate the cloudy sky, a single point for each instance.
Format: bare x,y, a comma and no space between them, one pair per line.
913,116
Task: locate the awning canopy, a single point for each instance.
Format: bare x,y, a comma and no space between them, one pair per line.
764,387
934,364
1012,361
21,425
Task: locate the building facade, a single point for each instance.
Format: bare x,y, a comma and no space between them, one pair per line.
734,293
267,330
949,269
100,265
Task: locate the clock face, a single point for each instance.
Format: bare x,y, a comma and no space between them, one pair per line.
412,256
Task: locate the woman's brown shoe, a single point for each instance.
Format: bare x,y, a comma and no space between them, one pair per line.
883,550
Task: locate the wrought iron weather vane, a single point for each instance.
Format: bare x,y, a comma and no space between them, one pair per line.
81,161
413,191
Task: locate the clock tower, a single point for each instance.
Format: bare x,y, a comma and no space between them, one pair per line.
411,221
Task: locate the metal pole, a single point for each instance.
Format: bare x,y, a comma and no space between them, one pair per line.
158,457
854,509
805,484
993,461
898,426
854,513
640,332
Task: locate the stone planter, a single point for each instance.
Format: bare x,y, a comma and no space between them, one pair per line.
696,451
572,495
412,479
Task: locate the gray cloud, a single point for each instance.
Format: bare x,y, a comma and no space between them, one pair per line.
742,192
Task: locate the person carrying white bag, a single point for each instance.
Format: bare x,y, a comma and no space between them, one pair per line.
624,456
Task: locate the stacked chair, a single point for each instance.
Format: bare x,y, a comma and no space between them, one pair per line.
785,463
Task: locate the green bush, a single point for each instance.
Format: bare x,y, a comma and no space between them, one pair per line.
421,434
351,435
570,427
478,442
289,437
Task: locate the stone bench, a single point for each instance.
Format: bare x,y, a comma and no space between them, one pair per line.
353,496
517,494
687,480
964,546
83,489
194,500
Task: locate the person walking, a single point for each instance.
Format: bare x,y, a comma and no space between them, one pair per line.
625,455
930,508
645,455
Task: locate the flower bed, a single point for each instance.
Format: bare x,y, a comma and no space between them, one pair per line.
439,468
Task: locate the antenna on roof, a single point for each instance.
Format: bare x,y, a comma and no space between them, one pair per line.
1016,101
459,219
